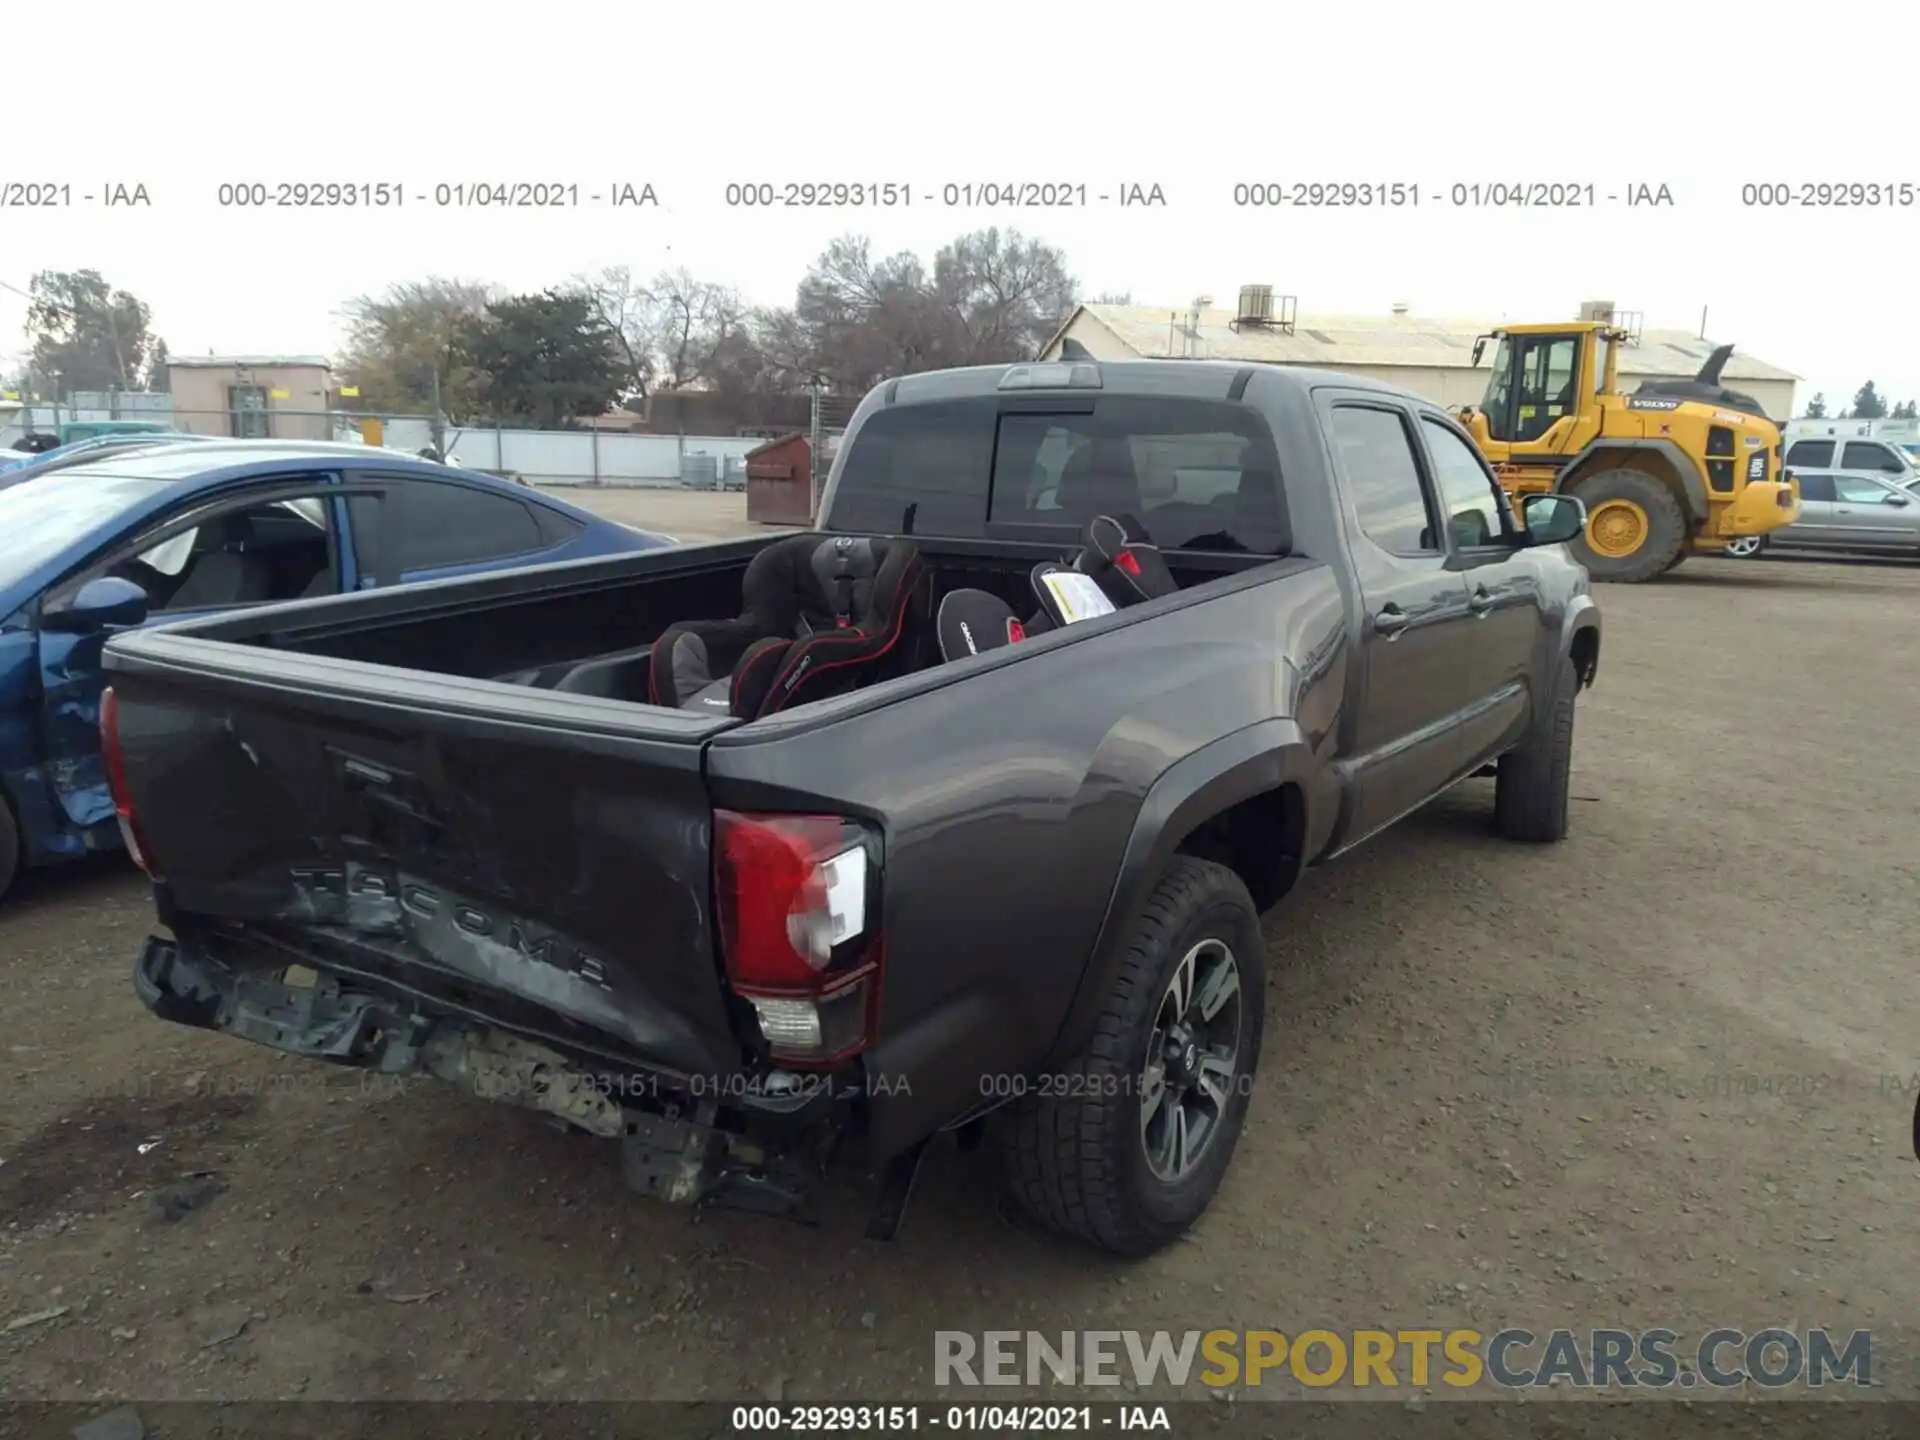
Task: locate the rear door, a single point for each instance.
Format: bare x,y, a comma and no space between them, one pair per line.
1815,527
1407,740
426,529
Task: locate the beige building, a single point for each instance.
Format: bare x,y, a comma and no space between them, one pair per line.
1429,356
276,397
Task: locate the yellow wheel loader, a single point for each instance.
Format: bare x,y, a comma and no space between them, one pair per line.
1678,466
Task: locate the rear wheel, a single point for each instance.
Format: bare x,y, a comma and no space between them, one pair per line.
1635,527
9,847
1127,1147
1744,547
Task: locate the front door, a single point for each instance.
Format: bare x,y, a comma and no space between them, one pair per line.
1873,514
1503,594
1536,386
1404,743
269,546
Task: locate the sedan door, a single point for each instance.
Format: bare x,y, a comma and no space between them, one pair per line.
1815,525
1405,739
1871,514
274,542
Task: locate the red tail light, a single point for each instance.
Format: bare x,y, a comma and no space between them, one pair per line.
123,809
797,907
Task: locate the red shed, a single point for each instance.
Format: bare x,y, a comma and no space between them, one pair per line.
780,482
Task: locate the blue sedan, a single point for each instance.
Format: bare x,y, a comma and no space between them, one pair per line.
161,533
15,468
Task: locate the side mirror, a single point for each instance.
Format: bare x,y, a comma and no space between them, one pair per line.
1898,501
100,605
1552,519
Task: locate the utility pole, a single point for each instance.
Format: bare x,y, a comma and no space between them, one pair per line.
815,436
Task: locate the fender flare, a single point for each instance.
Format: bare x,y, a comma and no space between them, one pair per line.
1683,465
1582,618
1262,757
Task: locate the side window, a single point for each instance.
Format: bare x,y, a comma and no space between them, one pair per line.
1377,460
1602,348
1867,455
431,524
255,554
1473,504
1817,488
1850,490
1813,454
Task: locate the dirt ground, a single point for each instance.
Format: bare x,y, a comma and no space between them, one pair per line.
1654,1076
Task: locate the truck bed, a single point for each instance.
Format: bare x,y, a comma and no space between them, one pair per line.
390,787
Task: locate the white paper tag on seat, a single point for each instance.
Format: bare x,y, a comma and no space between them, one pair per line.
1078,596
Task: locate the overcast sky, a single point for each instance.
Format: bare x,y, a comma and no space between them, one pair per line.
1192,98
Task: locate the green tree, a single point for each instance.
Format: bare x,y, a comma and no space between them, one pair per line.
1905,411
403,350
1867,404
157,375
86,335
1817,407
545,360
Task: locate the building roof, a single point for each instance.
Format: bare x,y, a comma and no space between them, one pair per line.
250,362
1156,331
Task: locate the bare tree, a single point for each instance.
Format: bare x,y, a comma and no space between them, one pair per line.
626,307
403,347
693,322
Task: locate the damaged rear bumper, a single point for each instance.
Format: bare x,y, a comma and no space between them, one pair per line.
763,1148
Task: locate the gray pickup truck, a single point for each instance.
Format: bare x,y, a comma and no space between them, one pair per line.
955,814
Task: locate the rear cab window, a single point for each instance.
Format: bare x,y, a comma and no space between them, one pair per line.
1201,475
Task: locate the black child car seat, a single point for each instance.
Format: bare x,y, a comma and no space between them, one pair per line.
1117,555
823,615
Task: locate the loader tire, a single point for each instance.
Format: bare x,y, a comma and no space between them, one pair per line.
1635,527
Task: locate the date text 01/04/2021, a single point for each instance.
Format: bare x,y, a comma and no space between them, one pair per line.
951,194
975,1419
442,194
1460,195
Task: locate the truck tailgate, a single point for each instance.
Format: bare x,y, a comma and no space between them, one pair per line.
542,859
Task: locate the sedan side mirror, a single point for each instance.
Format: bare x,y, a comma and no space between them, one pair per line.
1898,501
100,605
1552,519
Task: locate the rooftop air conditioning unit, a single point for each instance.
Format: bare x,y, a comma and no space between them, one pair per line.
1600,312
1256,305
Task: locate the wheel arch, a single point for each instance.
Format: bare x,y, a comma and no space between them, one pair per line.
1664,460
1245,801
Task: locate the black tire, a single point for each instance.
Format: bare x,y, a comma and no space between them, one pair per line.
1530,789
9,847
1077,1154
1677,561
1666,527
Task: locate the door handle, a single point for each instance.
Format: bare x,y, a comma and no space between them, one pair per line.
1481,601
1391,621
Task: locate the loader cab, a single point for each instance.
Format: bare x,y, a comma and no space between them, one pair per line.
1541,377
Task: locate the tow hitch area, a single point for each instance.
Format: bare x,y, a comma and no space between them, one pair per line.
686,1160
